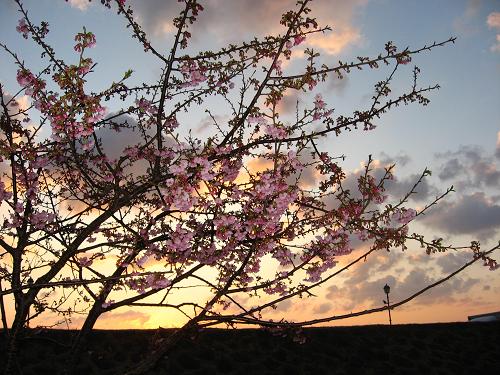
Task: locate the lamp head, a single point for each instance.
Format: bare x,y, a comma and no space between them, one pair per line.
387,289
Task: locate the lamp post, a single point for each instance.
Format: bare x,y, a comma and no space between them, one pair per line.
387,290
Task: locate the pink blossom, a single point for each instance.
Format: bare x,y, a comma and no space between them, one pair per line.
205,167
85,40
84,261
23,28
40,162
312,83
403,59
108,303
171,123
404,216
182,199
283,255
277,288
275,131
277,67
227,226
491,264
160,283
258,119
145,106
98,114
180,168
14,222
318,102
4,194
192,72
85,66
298,39
33,85
180,239
41,219
25,77
142,260
109,178
231,169
87,144
19,207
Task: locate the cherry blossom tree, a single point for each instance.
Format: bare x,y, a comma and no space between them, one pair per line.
87,232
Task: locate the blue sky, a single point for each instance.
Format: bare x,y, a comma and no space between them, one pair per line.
457,135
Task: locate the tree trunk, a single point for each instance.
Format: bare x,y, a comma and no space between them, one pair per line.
81,338
4,315
16,331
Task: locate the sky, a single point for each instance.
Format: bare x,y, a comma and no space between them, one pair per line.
457,135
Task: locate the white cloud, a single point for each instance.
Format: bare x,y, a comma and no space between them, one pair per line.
493,20
336,41
221,18
80,4
496,47
465,24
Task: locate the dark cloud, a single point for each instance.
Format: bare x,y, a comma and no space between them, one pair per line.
452,261
363,285
370,293
451,169
473,214
419,278
486,173
398,188
284,306
389,261
400,160
323,308
497,149
363,291
470,167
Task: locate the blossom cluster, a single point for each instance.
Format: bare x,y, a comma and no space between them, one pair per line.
34,85
193,73
320,110
85,39
23,28
4,194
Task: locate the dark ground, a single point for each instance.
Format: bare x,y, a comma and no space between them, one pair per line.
451,348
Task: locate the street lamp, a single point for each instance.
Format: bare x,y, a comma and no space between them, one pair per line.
387,290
